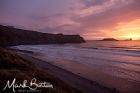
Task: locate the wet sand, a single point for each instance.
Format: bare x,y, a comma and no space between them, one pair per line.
73,79
120,71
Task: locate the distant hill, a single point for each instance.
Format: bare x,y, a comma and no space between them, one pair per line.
10,36
109,39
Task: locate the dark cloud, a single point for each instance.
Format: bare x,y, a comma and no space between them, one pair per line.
89,3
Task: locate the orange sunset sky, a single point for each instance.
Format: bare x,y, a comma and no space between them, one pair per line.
92,19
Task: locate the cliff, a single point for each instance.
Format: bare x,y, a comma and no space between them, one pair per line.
10,36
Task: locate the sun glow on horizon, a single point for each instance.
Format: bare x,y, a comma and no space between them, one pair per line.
123,31
130,30
132,36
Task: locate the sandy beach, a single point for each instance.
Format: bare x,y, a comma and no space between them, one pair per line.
74,80
89,70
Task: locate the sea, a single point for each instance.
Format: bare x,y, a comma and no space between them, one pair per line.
115,64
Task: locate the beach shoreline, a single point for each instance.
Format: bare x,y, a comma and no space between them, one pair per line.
100,67
74,80
18,75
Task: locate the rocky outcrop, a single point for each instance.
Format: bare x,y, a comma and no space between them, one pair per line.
10,36
109,39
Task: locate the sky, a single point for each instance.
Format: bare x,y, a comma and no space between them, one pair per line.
92,19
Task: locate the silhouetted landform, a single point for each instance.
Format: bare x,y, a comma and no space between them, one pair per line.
109,39
10,36
128,39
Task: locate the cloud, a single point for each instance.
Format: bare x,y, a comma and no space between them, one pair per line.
35,14
107,18
87,17
92,7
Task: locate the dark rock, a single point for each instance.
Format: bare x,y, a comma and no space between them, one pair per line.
109,39
10,36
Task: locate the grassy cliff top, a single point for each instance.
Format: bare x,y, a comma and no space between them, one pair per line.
13,66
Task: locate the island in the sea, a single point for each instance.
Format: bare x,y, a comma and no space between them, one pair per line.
130,39
10,36
109,39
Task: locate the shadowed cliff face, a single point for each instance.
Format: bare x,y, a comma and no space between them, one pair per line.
12,36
